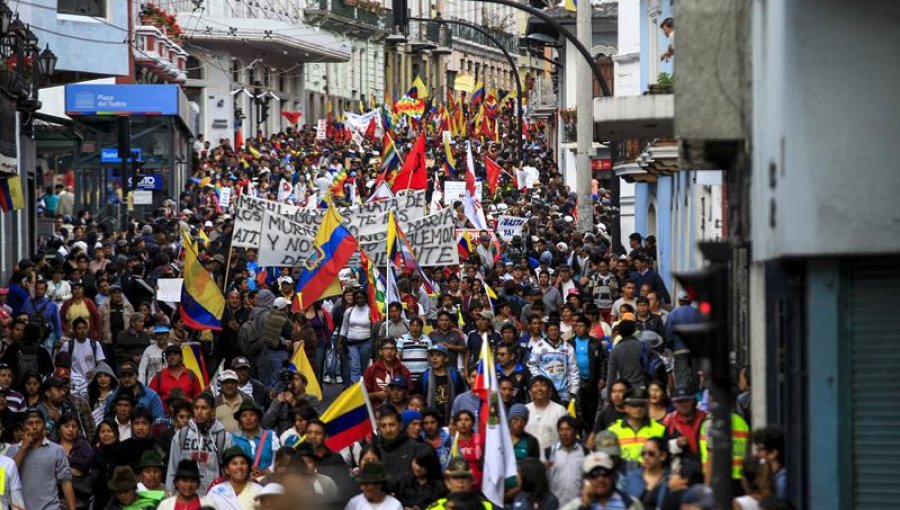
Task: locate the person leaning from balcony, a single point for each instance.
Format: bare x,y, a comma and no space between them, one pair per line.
668,28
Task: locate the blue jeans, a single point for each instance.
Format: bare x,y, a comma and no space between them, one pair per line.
268,374
358,356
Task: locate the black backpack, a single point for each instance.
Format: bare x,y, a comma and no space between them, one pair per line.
28,359
37,318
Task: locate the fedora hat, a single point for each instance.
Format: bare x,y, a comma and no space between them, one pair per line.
123,479
372,472
247,405
150,459
187,469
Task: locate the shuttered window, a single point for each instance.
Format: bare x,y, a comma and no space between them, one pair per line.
873,326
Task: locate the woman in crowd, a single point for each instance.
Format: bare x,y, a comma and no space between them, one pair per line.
356,335
106,445
101,388
649,483
533,488
469,444
238,491
426,485
658,405
81,458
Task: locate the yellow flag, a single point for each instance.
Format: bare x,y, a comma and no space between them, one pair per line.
571,409
570,5
465,83
301,363
419,86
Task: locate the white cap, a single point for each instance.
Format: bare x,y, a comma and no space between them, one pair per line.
270,489
286,279
228,375
98,244
280,303
561,246
568,219
208,224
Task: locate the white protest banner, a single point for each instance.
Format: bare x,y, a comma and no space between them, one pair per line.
433,240
509,226
322,129
456,190
169,290
225,197
360,219
284,242
358,122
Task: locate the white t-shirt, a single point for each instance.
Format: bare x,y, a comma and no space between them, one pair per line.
83,360
11,498
542,423
359,502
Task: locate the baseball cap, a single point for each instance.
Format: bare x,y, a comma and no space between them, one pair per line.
683,295
228,375
399,381
240,362
597,461
440,348
173,349
160,329
280,303
607,442
285,279
682,393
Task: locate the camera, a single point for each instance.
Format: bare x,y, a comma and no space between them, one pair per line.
286,376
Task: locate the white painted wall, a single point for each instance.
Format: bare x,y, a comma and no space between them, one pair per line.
825,126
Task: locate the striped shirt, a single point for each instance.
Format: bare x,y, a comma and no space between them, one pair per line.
414,354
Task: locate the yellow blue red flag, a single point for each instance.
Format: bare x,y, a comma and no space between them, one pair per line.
202,302
334,245
349,418
300,362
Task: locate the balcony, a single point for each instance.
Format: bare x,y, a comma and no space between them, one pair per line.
509,41
622,117
362,18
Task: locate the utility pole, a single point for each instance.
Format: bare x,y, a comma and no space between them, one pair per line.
584,91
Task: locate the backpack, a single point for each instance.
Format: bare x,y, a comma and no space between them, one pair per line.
653,364
249,343
28,360
38,319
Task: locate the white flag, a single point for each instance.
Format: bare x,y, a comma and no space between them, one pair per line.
499,456
471,202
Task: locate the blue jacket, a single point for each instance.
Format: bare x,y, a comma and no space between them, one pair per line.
145,398
652,278
685,314
50,312
267,457
635,486
17,297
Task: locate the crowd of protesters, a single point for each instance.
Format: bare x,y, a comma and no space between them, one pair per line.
607,407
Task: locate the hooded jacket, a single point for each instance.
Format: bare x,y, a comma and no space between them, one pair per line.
396,455
204,445
378,375
98,407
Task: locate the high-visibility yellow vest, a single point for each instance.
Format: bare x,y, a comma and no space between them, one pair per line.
740,436
441,504
632,441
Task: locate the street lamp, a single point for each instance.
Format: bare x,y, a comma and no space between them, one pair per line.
31,40
17,28
47,62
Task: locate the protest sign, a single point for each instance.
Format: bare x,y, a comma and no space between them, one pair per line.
433,240
225,198
359,219
456,190
322,129
509,226
283,242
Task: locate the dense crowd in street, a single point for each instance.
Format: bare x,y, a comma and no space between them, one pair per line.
607,407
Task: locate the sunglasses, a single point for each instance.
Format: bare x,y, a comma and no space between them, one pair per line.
649,454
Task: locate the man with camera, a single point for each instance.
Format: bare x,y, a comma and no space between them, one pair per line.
291,393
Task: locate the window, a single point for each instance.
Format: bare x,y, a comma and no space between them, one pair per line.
82,7
194,68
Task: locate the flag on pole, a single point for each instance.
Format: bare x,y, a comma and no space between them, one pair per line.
374,289
499,456
492,171
472,203
11,195
449,160
192,357
382,192
413,175
349,418
417,90
333,247
300,363
400,252
202,302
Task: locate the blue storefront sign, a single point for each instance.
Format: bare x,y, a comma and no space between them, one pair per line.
111,155
149,182
122,99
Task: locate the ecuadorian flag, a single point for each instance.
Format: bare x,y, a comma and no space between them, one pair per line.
334,245
349,418
195,362
202,302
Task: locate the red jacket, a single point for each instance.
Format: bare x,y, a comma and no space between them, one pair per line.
95,326
164,382
677,426
378,375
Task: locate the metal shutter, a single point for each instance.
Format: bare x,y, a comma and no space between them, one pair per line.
873,328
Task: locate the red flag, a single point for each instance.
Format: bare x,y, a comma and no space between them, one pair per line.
370,130
292,117
413,174
492,170
238,139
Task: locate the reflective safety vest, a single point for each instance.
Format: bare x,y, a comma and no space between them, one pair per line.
632,441
740,436
441,504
